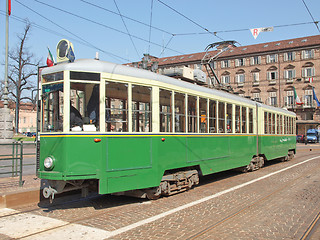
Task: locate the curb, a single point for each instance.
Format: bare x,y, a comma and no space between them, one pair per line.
10,200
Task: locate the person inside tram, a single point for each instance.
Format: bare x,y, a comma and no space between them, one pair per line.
75,117
93,106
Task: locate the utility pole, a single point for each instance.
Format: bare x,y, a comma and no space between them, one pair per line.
6,132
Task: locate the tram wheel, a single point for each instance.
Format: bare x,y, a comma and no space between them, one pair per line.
153,193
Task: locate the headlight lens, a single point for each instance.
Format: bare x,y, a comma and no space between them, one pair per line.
48,162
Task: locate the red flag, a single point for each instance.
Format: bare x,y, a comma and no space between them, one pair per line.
9,7
50,60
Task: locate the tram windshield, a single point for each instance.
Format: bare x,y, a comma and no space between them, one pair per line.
52,105
84,107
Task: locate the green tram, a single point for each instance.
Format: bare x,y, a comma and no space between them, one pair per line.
130,131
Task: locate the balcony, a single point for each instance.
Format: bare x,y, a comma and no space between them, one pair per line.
255,83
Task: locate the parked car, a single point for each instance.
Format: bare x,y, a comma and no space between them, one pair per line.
300,138
312,135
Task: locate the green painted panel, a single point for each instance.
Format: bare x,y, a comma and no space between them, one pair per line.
128,153
206,148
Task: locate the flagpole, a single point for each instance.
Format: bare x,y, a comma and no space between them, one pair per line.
5,94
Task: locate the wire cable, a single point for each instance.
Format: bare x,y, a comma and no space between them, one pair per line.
242,29
134,20
151,10
315,22
125,25
103,25
213,33
111,54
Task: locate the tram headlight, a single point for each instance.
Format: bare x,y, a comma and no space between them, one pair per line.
48,163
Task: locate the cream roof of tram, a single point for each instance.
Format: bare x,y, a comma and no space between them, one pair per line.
93,65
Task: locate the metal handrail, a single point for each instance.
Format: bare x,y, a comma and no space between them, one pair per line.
16,157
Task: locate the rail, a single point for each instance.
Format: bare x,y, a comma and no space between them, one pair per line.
12,158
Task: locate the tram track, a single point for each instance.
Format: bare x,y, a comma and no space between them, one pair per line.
260,201
195,236
308,233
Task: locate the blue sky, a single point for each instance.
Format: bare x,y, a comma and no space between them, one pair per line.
216,16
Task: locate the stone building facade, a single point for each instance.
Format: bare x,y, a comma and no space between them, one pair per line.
270,72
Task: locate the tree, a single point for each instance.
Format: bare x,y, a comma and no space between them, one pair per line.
23,67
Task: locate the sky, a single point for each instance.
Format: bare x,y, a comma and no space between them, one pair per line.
177,26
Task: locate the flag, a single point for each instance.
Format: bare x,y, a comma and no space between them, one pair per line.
298,102
315,97
70,54
50,60
9,7
311,80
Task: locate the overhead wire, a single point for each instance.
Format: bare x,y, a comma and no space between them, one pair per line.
151,10
241,29
125,25
213,33
77,36
315,22
103,25
134,20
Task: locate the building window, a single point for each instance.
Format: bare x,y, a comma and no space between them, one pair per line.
308,98
240,62
289,99
307,54
272,58
225,63
308,72
289,56
273,98
255,77
240,78
255,60
290,74
256,96
225,79
272,76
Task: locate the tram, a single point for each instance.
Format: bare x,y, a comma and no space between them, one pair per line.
130,131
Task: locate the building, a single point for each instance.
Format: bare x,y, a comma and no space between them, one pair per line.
27,116
269,72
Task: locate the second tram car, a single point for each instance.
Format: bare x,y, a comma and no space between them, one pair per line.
131,131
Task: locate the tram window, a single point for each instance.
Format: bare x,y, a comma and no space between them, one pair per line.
266,123
116,107
222,114
229,118
285,125
84,99
203,115
52,105
244,120
192,114
180,113
141,109
165,111
89,76
52,77
290,125
281,124
212,116
269,123
273,124
278,124
250,120
237,119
